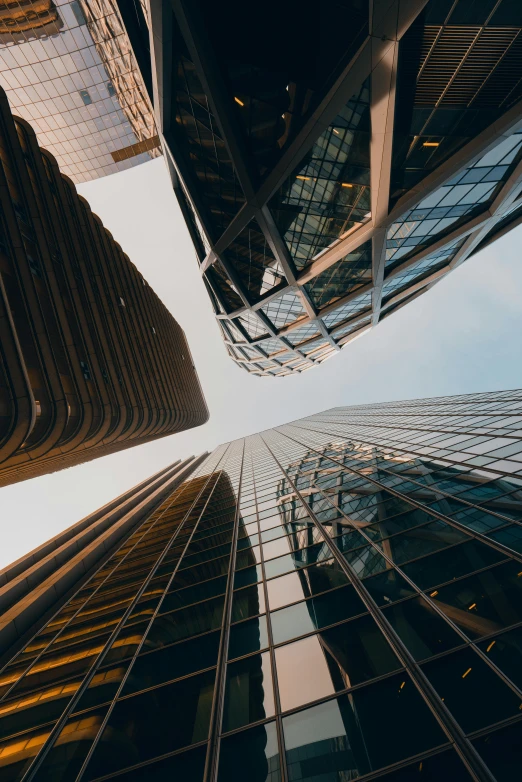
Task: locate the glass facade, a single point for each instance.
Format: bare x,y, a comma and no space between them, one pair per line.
323,192
337,598
68,69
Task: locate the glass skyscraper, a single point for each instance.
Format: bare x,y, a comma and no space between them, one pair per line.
333,165
337,598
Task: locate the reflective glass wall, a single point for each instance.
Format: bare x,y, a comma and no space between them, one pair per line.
337,598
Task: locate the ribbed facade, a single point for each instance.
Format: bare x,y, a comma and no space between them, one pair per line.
338,598
91,360
332,167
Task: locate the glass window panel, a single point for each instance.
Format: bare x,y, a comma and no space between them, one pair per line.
451,563
248,637
251,755
250,575
249,694
193,620
248,602
173,662
331,661
301,558
421,629
387,587
365,561
421,541
201,591
443,765
188,766
151,724
315,613
248,557
505,651
353,735
484,603
502,751
474,694
305,583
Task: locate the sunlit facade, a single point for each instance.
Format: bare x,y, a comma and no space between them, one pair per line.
338,598
69,70
332,168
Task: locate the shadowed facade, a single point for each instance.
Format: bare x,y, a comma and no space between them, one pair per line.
91,360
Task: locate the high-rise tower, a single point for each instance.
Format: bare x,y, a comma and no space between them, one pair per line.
91,361
337,598
334,162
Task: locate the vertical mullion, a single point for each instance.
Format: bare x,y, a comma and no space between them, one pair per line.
212,759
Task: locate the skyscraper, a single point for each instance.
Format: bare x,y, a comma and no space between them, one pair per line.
334,165
91,361
69,70
337,598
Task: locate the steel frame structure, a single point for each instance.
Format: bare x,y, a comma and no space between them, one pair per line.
286,329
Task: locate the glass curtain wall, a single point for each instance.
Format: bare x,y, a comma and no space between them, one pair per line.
337,598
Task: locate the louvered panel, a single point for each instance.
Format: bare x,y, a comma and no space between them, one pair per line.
478,65
429,36
503,88
446,57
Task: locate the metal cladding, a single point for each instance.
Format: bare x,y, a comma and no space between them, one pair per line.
337,598
332,169
91,360
69,70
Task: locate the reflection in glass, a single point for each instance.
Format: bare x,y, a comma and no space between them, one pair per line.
249,694
252,755
355,734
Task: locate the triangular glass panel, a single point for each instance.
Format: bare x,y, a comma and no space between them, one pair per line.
254,262
284,310
345,276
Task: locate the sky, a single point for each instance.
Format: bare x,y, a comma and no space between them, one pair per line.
461,336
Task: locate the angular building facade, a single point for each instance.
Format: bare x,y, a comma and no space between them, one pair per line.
91,361
338,598
331,168
69,70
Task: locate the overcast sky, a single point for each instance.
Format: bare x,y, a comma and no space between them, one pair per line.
464,335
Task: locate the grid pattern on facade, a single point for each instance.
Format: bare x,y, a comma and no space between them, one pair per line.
380,180
92,361
76,81
337,597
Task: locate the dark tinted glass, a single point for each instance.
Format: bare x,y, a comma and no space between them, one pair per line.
248,602
173,662
250,755
471,690
202,591
506,651
249,694
301,558
152,724
387,587
451,563
502,751
186,622
315,613
250,575
248,637
485,602
353,735
445,765
188,766
423,540
419,626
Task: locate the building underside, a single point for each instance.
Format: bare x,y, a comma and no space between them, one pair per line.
330,170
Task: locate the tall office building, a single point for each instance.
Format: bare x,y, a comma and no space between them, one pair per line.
337,598
91,361
334,162
69,70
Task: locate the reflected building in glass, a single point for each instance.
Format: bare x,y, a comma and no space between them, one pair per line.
91,360
337,598
68,69
332,169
